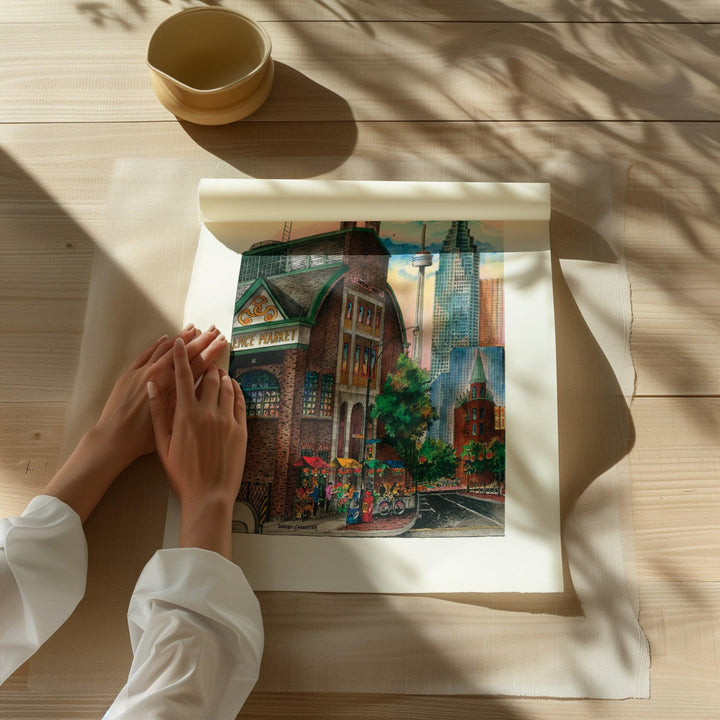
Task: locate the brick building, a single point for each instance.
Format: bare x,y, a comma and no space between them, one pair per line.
316,330
477,415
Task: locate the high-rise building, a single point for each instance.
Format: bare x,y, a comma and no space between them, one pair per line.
456,305
492,312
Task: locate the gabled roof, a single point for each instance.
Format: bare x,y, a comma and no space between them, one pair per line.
260,285
297,295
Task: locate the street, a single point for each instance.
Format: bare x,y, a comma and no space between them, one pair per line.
454,514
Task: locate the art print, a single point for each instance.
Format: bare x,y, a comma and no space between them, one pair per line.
372,358
400,379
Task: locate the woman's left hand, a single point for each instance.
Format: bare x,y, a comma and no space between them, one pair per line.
126,415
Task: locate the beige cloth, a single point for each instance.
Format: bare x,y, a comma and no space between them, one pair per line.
585,642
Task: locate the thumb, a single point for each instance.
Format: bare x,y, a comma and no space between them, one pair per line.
160,416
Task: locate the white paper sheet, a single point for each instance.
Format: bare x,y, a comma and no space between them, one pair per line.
528,557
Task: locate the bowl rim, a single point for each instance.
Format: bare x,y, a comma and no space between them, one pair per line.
230,113
209,10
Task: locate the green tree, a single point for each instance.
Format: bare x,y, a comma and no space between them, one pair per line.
473,457
404,409
497,462
436,460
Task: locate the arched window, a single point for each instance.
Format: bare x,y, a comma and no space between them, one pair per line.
262,393
356,432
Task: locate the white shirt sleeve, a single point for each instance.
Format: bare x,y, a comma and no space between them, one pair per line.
197,639
43,569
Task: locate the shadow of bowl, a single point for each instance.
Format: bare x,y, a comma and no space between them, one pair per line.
275,141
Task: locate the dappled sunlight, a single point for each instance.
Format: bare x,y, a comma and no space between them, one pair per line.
613,102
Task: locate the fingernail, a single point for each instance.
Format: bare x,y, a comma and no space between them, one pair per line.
221,338
211,328
162,338
188,327
179,343
151,390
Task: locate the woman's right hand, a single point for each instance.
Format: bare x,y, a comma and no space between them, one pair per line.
202,446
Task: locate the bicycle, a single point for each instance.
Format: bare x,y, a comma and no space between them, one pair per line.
391,504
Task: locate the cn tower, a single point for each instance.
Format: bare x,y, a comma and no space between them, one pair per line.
420,260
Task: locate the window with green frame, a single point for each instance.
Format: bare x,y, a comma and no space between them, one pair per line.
310,393
262,393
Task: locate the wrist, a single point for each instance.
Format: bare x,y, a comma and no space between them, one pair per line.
109,444
207,523
89,471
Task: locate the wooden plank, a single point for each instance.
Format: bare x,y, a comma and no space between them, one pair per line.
134,14
675,470
31,434
38,367
681,619
669,236
440,71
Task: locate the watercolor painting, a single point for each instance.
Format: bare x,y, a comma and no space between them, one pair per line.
371,356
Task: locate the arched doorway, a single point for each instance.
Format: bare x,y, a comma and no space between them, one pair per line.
342,422
356,432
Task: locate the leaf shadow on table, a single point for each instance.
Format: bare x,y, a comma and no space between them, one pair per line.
480,151
282,146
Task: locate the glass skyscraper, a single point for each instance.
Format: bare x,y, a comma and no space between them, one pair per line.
456,306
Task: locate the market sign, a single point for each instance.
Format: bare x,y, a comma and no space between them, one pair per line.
287,336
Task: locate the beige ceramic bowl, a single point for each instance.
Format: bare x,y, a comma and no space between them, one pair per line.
210,66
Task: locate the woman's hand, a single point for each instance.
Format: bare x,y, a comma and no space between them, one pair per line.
126,415
124,430
202,447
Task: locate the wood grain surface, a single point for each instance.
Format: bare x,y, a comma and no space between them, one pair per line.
426,90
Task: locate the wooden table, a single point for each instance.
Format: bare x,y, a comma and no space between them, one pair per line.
404,89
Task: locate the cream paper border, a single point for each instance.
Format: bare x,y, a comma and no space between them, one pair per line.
528,557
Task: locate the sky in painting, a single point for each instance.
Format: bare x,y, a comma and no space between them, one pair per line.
402,240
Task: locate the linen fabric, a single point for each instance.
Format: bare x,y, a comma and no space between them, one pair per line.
586,642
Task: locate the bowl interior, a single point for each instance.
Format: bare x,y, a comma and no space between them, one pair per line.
208,49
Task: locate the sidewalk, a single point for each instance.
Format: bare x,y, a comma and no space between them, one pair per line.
382,527
336,526
491,497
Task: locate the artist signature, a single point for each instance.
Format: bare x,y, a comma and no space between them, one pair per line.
297,527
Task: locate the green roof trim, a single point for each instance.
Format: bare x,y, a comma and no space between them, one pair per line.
323,292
